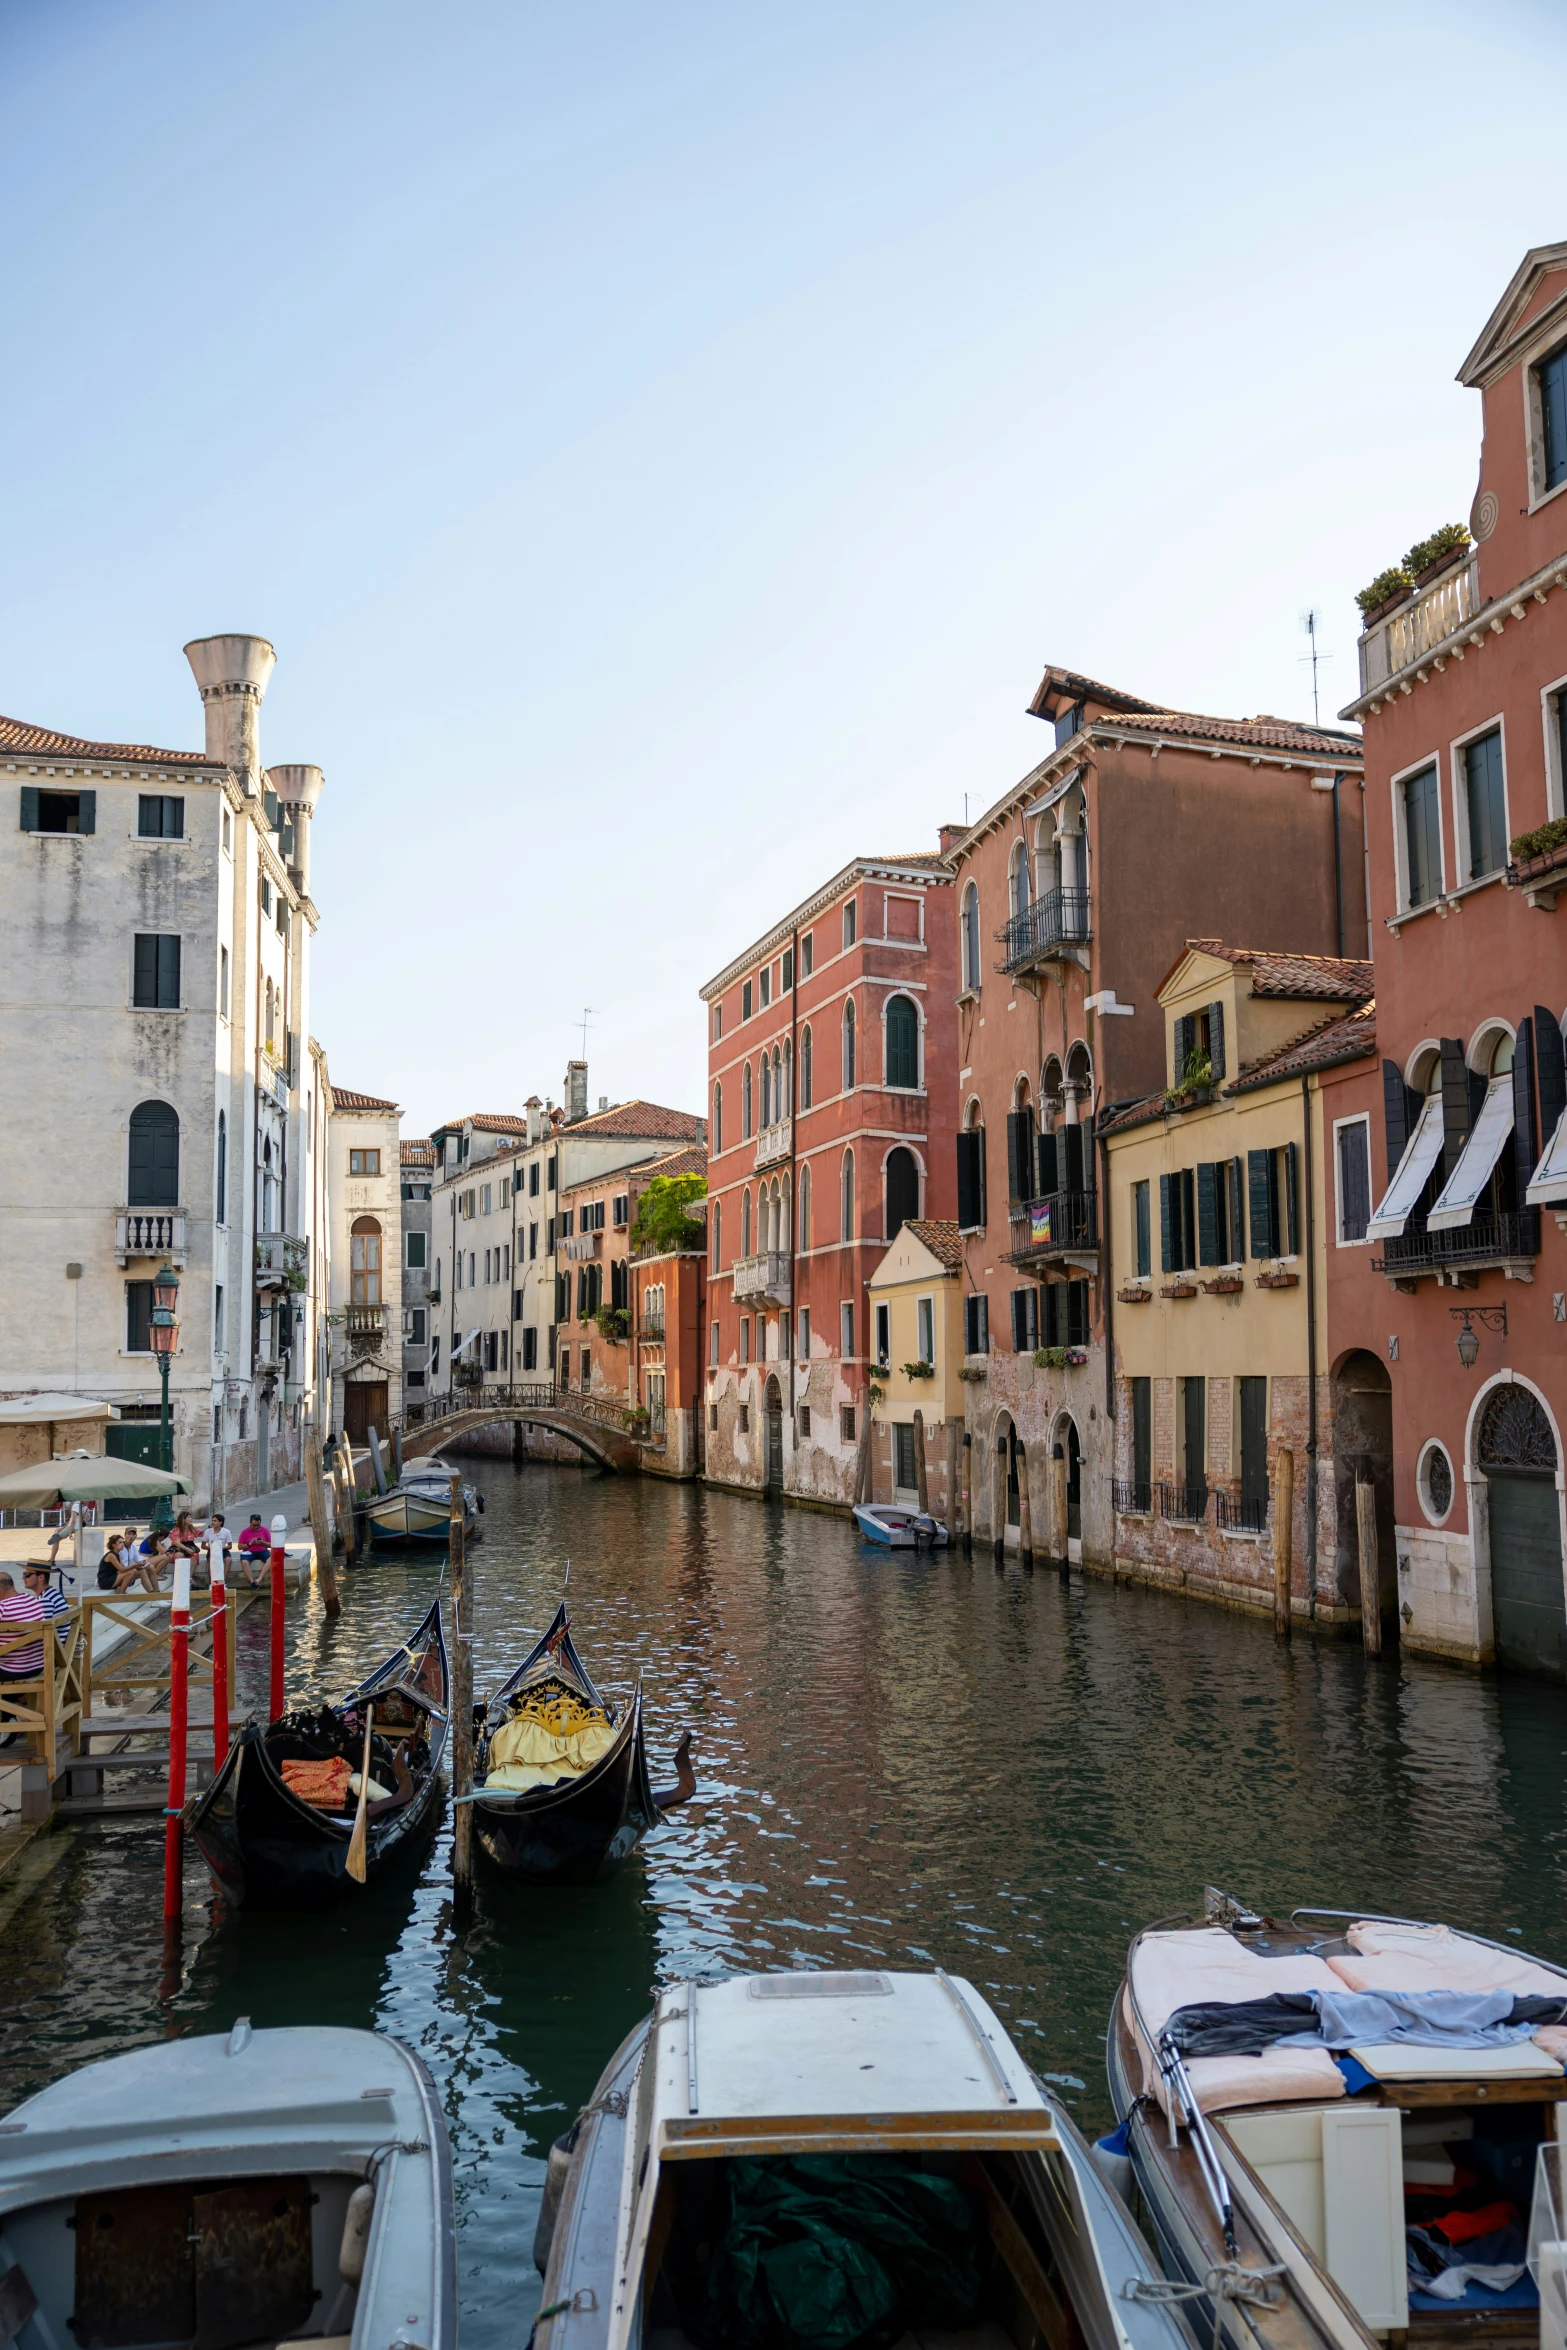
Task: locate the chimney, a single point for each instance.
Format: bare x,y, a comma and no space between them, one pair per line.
232,672
298,789
950,836
576,1091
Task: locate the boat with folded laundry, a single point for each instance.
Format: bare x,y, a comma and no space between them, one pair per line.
1336,2122
897,1528
561,1784
856,2157
309,1806
418,1508
281,2187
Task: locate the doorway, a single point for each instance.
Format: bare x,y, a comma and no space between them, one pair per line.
1074,1492
364,1408
1517,1452
131,1440
1363,1431
774,1401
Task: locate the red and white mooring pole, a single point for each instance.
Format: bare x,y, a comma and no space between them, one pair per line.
279,1563
179,1730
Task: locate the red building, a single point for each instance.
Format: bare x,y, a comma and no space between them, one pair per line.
831,1079
1448,1278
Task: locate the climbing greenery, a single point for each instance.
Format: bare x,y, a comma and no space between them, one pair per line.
662,1224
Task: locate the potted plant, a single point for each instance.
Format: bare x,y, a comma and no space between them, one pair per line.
1428,558
1277,1277
1386,592
919,1370
1182,1286
1194,1083
972,1373
1139,1294
1225,1285
1050,1358
1077,1356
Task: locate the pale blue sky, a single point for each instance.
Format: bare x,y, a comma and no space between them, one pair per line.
665,444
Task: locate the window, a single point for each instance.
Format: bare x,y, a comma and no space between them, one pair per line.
1434,1483
848,1046
786,969
550,1172
1272,1197
533,1180
745,1103
718,1118
902,1178
565,1223
228,833
846,1198
1017,880
217,1319
414,1247
1353,1138
221,1188
1025,1319
1220,1230
804,1334
530,1350
846,1331
971,1179
586,1360
850,924
1142,1445
364,1162
1178,1220
154,1165
743,1419
805,1060
925,1329
745,999
1422,838
1142,1229
803,1211
904,1476
765,977
1194,1432
58,811
903,1042
157,974
1551,377
718,1236
223,981
533,1242
1485,804
976,1324
620,1211
138,1317
160,817
416,1325
846,1423
485,1204
718,1022
883,1335
364,1262
1253,1414
969,937
1068,722
745,1338
805,1421
266,895
807,954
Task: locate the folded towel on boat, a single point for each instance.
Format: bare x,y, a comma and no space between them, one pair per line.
1393,1957
321,1784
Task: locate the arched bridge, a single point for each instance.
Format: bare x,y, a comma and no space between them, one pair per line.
602,1430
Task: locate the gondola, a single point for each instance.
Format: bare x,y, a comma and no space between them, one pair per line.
561,1787
270,1848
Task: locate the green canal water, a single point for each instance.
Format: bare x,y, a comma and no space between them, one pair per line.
898,1763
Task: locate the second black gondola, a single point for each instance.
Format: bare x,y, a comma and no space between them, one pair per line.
268,1847
561,1786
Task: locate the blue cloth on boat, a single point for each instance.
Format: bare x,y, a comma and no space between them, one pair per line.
1423,2019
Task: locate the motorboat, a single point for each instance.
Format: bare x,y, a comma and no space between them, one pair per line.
1332,2142
849,2157
418,1508
280,2187
276,1826
561,1785
897,1528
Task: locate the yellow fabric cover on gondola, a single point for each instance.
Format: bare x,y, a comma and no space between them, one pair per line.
551,1736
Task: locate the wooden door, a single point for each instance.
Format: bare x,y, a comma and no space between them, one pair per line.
364,1408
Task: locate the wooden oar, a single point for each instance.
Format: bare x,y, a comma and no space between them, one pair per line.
356,1842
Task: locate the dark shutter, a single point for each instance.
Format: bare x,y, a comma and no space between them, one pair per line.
970,1326
1400,1109
1019,1299
87,811
1166,1235
1259,1166
1525,1140
30,817
144,988
138,1317
1020,1154
1073,1169
1216,1040
1207,1213
1455,1104
1049,1166
1185,1039
153,1171
982,1200
1077,1313
1050,1330
1292,1197
1237,1211
968,1182
1550,1063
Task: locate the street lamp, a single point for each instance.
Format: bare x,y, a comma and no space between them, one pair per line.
1489,1318
165,1337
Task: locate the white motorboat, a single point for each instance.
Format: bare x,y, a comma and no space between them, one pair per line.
418,1508
286,2188
857,2157
898,1528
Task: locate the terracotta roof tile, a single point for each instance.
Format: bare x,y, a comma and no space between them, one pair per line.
1347,1039
690,1161
928,861
1082,689
42,742
1263,733
342,1099
941,1236
641,1120
418,1154
1280,972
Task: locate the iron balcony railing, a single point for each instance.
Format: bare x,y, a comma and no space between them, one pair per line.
1241,1513
1046,1227
1131,1499
1056,920
1484,1240
651,1326
1187,1503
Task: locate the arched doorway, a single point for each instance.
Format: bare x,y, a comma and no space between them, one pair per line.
903,1190
1362,1431
774,1464
1515,1451
1074,1492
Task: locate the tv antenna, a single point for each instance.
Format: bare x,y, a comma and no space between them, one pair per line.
1309,621
587,1013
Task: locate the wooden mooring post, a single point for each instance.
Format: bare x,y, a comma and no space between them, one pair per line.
1370,1576
954,1453
462,1713
968,1493
1283,1542
921,1477
345,1487
1025,1511
315,1489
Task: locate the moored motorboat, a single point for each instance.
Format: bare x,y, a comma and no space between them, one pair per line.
276,1826
897,1528
561,1785
418,1508
1334,2123
856,2157
260,2187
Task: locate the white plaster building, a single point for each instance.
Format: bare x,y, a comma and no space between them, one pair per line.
159,1105
365,1181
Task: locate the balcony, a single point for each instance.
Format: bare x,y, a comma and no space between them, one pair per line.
1066,1225
1240,1513
775,1142
651,1326
1054,924
282,1260
762,1280
580,1247
1485,1244
1420,626
364,1328
150,1232
1130,1497
1185,1505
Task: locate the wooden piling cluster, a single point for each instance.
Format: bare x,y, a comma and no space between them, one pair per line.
462,1712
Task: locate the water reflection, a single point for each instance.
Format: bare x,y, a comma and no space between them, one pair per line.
897,1761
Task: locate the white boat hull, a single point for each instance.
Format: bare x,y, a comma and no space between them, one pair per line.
899,1529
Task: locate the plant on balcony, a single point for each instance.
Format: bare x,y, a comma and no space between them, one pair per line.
467,1375
1278,1278
662,1225
1194,1080
613,1324
1388,588
919,1370
1136,1295
1050,1358
1225,1285
972,1373
1435,553
1541,840
1077,1356
1180,1287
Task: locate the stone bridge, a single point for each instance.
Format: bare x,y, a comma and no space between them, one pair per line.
597,1428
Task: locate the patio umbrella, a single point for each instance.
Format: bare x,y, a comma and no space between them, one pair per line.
55,1484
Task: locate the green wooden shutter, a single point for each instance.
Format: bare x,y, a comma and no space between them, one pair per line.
1259,1201
1049,1166
1397,1120
1166,1234
982,1197
1525,1140
1207,1213
1020,1151
1018,1296
1550,1061
1455,1104
87,811
145,984
29,807
1292,1196
1073,1155
1185,1036
969,1217
1216,1040
1237,1239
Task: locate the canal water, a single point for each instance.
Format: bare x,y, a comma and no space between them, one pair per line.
900,1762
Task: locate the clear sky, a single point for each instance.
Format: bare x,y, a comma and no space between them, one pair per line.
665,443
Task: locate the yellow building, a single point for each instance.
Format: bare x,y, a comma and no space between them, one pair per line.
916,1301
1218,1228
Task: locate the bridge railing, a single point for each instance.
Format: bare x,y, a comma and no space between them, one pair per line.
543,1395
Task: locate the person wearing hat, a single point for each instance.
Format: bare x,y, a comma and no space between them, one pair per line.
39,1579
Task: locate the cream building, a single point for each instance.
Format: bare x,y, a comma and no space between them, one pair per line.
365,1180
916,1309
161,1105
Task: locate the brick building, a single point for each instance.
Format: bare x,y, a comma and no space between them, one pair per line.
830,1084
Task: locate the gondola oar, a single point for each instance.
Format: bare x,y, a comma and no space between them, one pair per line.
356,1842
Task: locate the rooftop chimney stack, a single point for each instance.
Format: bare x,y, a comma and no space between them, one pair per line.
576,1091
298,789
232,672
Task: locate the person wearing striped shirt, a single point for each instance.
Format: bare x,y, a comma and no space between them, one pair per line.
57,1608
18,1608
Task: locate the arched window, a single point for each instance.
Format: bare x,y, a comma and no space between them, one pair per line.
718,1119
271,1015
718,1236
903,1042
767,1094
805,1206
970,936
846,1201
223,1169
783,1215
805,1068
745,1223
364,1262
778,1099
903,1189
154,1174
786,1105
1017,879
745,1103
848,1046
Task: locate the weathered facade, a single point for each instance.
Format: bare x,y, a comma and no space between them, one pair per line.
367,1277
418,1177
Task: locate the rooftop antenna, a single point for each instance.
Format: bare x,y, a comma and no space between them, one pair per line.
1309,621
587,1012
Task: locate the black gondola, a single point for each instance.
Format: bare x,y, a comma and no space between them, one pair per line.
269,1849
579,1828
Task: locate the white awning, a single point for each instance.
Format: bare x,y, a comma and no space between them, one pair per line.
1480,1153
31,1410
1421,1153
1548,1183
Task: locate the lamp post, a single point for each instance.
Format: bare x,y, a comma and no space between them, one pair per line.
165,1337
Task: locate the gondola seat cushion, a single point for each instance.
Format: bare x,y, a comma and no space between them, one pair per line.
1208,1963
1433,1958
548,1738
323,1785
